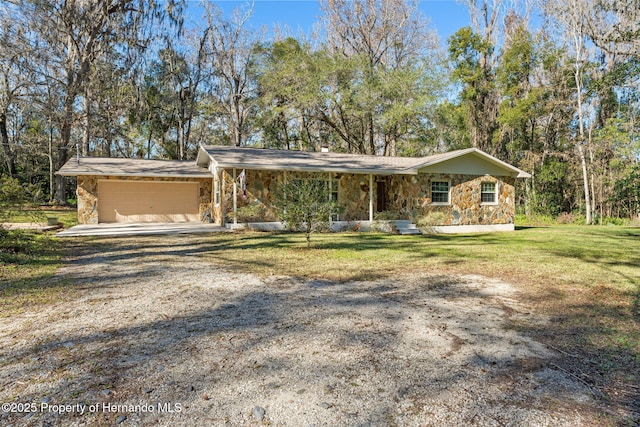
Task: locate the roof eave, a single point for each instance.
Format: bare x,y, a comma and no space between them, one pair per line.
124,174
355,171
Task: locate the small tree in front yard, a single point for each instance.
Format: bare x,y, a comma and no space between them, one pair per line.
306,205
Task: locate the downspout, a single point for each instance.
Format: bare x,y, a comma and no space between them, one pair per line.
223,199
235,198
371,197
329,180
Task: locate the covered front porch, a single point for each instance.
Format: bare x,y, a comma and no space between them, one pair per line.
361,195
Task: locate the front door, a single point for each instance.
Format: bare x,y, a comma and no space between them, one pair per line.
381,194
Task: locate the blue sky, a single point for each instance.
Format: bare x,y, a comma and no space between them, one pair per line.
445,16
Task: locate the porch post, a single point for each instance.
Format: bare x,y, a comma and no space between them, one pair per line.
235,198
370,197
223,198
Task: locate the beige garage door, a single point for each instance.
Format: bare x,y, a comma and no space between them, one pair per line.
146,201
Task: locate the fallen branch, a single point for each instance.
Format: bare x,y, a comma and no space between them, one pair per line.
594,391
575,356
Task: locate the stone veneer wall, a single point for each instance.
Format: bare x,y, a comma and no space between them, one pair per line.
88,194
409,196
353,192
354,196
260,190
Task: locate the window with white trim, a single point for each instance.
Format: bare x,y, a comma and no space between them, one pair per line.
440,192
488,194
334,185
216,192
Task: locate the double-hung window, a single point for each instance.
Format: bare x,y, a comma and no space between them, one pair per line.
488,193
334,185
440,192
216,191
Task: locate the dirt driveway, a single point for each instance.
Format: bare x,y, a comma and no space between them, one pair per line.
156,334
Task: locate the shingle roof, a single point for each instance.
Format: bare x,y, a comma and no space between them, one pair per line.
114,166
257,158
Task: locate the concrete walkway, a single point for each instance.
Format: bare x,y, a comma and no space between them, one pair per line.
138,229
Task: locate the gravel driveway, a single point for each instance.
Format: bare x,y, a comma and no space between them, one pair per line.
157,334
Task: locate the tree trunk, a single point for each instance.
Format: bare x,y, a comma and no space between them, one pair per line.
149,143
585,181
63,148
86,129
180,139
585,176
11,161
180,149
50,155
372,139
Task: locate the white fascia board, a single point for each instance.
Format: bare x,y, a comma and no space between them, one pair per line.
203,158
223,165
151,175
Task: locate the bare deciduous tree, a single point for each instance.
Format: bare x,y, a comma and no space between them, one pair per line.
615,26
387,40
75,33
14,80
229,53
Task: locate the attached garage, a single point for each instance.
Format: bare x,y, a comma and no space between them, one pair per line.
148,201
138,190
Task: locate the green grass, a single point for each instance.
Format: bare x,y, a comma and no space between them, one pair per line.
562,255
67,216
28,261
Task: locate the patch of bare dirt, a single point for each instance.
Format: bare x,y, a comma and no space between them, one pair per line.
161,336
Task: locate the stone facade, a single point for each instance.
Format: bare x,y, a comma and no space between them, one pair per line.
354,196
411,198
406,196
88,194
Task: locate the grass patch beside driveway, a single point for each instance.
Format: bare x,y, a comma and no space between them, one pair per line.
28,262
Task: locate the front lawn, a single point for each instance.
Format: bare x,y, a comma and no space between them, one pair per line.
585,279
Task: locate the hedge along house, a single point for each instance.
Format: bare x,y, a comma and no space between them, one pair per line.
468,189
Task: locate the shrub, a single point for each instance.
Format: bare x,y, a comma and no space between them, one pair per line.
428,221
431,219
14,197
566,218
615,221
579,220
383,226
385,216
251,213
